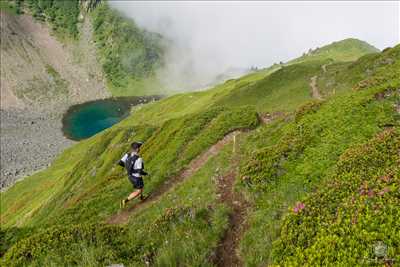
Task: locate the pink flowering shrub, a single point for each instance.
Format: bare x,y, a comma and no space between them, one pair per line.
357,208
299,207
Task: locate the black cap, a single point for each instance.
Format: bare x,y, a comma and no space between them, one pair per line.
136,145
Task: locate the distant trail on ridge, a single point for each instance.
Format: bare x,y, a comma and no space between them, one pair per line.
313,84
314,89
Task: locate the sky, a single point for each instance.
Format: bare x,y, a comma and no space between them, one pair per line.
209,37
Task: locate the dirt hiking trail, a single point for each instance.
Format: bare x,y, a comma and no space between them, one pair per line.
226,255
123,216
314,89
313,84
324,67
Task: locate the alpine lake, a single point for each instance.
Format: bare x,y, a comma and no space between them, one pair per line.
87,119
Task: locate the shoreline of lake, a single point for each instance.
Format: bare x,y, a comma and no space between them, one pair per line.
81,121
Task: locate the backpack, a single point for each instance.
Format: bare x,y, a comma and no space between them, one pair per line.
130,163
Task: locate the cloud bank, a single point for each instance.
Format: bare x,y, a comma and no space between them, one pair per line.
211,37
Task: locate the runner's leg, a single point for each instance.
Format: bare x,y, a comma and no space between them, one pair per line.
135,194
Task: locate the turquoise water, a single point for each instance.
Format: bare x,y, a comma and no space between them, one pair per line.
85,120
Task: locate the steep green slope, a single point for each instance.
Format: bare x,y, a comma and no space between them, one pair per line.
56,216
339,77
188,103
290,83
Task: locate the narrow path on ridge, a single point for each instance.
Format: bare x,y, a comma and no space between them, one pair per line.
324,67
313,84
314,89
123,216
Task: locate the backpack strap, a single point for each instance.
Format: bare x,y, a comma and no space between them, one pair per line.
130,163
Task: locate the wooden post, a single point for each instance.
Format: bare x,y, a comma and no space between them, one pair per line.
234,143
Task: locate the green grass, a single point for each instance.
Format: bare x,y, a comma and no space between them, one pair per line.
88,187
265,90
56,216
11,6
188,103
290,83
341,76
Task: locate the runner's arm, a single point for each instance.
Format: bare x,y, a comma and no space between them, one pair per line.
123,160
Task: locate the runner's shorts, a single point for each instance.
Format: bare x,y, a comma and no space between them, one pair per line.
137,182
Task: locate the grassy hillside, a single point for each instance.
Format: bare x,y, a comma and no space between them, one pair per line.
290,83
267,89
345,50
59,216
